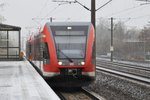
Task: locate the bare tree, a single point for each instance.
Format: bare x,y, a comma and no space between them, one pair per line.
145,34
103,37
2,17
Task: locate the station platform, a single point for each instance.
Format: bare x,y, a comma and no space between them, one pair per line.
20,81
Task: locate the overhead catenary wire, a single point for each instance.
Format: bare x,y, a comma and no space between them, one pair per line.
127,19
38,20
51,11
38,16
46,16
124,10
138,17
45,4
103,5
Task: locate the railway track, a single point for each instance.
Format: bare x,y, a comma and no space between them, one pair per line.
136,72
126,64
76,94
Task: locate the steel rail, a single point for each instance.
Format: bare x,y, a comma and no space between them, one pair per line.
92,95
80,94
126,65
120,72
140,71
134,71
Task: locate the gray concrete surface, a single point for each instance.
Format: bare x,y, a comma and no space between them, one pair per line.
20,81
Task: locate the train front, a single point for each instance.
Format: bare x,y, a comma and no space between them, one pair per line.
73,59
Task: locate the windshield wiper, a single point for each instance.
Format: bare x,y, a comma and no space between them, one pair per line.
69,59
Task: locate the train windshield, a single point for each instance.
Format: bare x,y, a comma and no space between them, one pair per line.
70,41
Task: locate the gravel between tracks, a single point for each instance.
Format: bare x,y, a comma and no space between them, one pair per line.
116,88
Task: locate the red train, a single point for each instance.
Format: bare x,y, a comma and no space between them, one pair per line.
64,53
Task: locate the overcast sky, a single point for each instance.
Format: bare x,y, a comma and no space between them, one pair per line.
21,12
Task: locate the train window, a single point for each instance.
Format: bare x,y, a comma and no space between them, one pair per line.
45,51
70,41
74,30
29,48
70,46
69,32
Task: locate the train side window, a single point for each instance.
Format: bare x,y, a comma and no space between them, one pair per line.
29,48
45,51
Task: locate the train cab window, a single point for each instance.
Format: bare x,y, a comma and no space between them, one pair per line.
45,51
70,41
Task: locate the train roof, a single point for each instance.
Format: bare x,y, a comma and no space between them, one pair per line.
68,23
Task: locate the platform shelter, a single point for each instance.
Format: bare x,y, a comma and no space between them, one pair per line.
9,42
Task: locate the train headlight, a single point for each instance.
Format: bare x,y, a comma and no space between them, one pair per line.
59,63
44,36
82,63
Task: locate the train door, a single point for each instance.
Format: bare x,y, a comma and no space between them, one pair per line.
41,55
46,57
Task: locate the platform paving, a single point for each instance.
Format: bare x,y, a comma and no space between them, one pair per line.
20,81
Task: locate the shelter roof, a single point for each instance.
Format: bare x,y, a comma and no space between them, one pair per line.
5,27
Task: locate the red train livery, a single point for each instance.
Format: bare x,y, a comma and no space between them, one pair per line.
64,53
